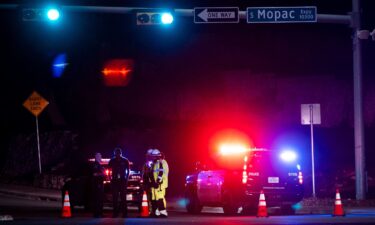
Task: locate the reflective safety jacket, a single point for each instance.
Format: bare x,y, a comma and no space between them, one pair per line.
160,172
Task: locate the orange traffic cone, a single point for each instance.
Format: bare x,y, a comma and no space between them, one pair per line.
262,208
144,209
66,213
339,210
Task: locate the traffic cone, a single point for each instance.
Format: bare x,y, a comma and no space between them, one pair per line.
262,208
144,209
66,213
339,210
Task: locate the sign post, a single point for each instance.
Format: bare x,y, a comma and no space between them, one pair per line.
35,103
310,114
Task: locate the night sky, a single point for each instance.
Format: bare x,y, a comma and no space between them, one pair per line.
189,81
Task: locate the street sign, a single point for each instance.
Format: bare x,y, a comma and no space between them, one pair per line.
310,112
216,15
300,14
35,103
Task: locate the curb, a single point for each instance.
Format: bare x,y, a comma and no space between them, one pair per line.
31,195
6,218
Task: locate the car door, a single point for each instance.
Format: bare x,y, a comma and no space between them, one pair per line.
209,186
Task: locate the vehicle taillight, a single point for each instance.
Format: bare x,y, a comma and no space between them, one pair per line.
244,173
300,177
107,172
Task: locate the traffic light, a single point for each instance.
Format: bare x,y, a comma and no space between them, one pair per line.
53,14
154,18
41,14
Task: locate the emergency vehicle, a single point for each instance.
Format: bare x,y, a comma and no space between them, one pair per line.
276,173
79,187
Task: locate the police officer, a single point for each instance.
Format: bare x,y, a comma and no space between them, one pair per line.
159,179
120,172
146,176
97,186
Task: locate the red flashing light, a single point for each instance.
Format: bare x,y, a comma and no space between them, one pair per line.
230,149
117,72
107,172
109,72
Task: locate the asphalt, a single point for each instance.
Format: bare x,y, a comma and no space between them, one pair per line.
307,206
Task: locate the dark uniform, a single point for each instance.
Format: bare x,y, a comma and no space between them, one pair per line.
147,181
120,172
97,188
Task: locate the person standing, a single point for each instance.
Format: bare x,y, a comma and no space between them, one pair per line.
159,179
146,176
120,173
97,186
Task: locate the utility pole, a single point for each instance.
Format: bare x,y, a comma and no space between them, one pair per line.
359,143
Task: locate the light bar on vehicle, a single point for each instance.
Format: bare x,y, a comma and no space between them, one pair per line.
234,149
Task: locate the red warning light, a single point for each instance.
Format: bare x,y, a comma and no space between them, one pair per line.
229,147
117,72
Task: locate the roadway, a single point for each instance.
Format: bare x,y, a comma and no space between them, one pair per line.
29,211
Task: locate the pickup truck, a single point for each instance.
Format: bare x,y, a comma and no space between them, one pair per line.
276,173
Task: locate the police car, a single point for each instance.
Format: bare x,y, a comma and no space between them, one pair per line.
79,187
276,173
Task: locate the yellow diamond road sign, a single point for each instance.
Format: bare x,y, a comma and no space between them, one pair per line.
35,103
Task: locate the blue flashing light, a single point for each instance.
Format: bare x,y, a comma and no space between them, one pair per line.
288,156
58,66
167,18
53,14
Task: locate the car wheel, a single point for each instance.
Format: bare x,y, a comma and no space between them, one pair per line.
229,205
193,205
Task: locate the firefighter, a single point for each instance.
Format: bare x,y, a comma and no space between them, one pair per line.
120,173
97,186
159,179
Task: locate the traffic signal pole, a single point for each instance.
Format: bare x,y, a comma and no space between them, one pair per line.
359,143
352,20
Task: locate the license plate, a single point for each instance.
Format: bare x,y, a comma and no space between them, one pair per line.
273,180
129,197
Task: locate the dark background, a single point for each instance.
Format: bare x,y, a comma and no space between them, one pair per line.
190,81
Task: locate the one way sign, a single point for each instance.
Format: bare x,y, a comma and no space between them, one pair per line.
216,15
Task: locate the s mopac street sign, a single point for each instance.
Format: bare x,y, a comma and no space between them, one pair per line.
216,15
300,14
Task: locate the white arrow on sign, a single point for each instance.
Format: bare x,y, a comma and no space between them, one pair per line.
205,15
